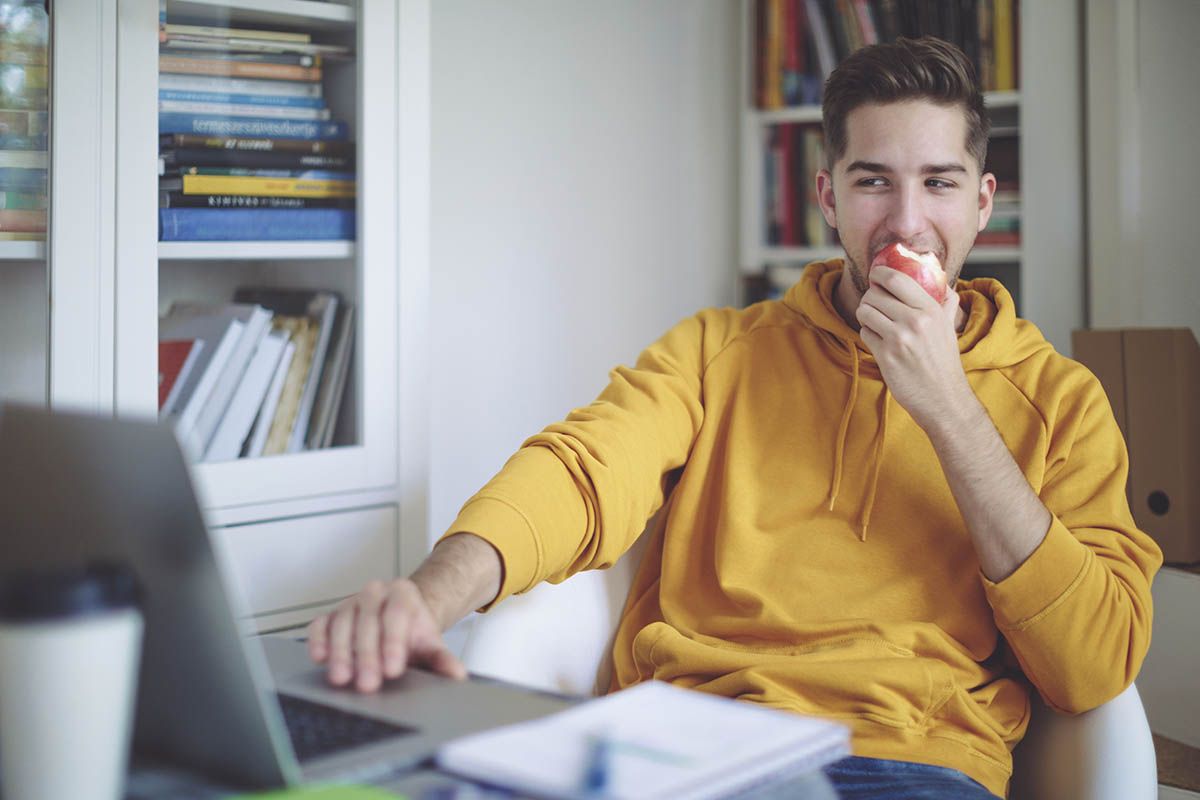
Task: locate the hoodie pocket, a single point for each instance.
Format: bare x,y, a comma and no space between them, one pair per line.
855,677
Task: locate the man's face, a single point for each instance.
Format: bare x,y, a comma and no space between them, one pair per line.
906,176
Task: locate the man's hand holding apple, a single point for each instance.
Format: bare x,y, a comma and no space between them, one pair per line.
910,330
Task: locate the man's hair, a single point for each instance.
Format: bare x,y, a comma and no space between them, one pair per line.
907,69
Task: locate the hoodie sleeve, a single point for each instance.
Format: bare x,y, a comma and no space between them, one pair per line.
1077,613
576,495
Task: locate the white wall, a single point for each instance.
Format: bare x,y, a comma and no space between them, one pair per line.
584,200
1143,114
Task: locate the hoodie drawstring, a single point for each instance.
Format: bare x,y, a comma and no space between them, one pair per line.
840,449
876,457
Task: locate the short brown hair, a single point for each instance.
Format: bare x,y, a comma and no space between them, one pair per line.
907,69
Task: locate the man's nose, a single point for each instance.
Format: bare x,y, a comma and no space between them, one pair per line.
907,218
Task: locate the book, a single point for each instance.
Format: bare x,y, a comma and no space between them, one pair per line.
20,179
181,200
303,332
243,47
216,125
260,185
256,224
333,380
240,98
245,33
256,144
23,220
245,68
23,200
320,307
250,86
243,110
255,321
338,179
204,53
23,158
266,413
176,358
236,423
182,158
651,740
220,334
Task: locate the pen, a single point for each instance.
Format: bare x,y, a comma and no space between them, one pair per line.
596,769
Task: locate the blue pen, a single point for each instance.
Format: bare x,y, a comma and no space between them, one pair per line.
596,770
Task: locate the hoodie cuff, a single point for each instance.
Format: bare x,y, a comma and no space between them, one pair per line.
1041,583
506,529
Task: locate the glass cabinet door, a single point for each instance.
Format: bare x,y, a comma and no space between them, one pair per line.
257,226
24,193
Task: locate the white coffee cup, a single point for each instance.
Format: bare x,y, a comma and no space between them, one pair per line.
70,647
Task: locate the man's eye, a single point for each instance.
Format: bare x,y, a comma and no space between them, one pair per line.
871,182
938,183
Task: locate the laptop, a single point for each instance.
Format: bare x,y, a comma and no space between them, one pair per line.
249,712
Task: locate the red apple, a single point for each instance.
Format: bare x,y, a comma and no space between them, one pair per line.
924,268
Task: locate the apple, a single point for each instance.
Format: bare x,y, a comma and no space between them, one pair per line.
924,268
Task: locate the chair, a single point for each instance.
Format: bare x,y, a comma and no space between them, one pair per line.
557,638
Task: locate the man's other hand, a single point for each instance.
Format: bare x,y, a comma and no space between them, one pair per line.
377,634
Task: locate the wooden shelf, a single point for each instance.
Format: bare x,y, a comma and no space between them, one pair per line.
254,251
311,14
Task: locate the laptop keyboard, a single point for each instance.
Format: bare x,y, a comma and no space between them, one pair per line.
319,730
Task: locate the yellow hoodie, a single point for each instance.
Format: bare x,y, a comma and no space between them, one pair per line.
811,556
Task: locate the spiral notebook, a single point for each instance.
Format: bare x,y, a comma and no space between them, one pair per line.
653,740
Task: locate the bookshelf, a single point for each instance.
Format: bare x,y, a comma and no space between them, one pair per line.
1045,271
301,529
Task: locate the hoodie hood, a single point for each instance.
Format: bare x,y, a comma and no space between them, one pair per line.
993,337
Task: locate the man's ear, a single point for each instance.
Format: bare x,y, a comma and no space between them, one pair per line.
987,191
826,198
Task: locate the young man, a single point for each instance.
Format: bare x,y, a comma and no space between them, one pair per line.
886,510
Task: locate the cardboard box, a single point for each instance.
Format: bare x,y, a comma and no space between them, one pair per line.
1152,377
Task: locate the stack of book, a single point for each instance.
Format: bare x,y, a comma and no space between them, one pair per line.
24,99
262,375
799,42
1004,161
793,154
248,148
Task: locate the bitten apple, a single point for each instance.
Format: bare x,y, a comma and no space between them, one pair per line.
924,268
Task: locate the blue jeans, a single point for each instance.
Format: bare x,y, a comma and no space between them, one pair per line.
858,778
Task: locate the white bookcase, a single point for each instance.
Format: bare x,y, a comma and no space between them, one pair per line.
1047,270
301,530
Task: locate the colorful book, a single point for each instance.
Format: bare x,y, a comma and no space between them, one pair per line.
255,323
22,200
236,423
262,187
245,33
266,413
23,220
255,224
181,200
257,159
220,333
208,125
333,380
176,358
241,99
255,46
252,144
243,110
251,86
321,308
237,69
